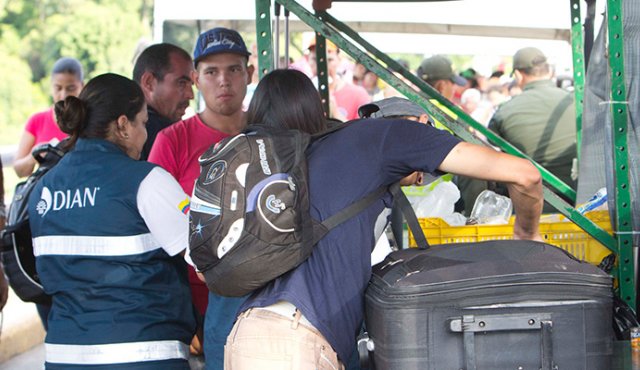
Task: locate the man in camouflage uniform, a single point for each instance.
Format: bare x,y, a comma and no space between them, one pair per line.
541,121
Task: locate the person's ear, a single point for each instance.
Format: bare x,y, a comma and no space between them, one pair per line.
424,118
194,77
439,85
148,81
122,127
518,76
250,69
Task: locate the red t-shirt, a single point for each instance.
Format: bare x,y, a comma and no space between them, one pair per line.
349,98
44,128
177,149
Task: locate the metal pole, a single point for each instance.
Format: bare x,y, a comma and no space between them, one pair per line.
321,70
276,39
577,43
286,38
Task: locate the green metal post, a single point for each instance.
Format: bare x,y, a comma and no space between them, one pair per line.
577,43
264,37
619,116
321,68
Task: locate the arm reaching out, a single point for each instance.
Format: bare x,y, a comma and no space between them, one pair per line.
522,178
24,163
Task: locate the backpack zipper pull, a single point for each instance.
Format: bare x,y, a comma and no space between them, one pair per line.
292,186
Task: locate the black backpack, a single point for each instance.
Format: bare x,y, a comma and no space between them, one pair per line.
249,218
18,260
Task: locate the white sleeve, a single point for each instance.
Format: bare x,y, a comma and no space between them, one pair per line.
381,250
164,207
382,247
188,260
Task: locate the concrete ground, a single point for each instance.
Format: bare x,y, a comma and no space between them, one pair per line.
33,359
21,331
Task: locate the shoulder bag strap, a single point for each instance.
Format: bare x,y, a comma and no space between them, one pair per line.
554,118
362,204
409,214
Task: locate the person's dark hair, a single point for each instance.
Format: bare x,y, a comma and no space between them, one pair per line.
102,101
286,98
157,60
68,65
471,75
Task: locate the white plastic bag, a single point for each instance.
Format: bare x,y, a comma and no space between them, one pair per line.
439,202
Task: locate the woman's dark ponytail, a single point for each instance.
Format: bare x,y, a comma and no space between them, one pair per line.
71,116
101,102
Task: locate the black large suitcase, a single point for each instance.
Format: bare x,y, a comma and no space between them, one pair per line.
490,305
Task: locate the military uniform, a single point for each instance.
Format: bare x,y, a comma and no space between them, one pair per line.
541,122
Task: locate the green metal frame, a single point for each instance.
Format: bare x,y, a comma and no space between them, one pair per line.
264,37
619,114
321,66
577,44
328,26
459,122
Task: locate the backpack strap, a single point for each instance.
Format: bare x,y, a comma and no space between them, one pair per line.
350,211
362,204
403,204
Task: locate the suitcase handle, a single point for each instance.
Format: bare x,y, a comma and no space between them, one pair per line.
468,325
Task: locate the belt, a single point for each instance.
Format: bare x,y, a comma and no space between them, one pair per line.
288,310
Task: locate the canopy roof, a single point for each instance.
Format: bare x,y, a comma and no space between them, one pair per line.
468,27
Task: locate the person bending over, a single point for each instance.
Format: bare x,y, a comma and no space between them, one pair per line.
308,318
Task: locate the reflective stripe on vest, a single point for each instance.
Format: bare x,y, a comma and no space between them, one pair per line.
117,353
94,245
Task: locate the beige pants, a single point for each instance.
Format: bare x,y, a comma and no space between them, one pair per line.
265,340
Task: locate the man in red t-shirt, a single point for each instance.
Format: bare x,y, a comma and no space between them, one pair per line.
222,75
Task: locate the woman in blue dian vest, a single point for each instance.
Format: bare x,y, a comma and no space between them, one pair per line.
108,234
308,318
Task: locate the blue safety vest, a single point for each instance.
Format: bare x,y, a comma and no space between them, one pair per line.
118,297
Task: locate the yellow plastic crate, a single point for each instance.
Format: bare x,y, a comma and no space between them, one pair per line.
555,229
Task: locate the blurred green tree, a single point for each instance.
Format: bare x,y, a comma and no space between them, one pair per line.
19,97
103,34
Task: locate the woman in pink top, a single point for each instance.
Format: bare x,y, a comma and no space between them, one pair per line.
66,80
